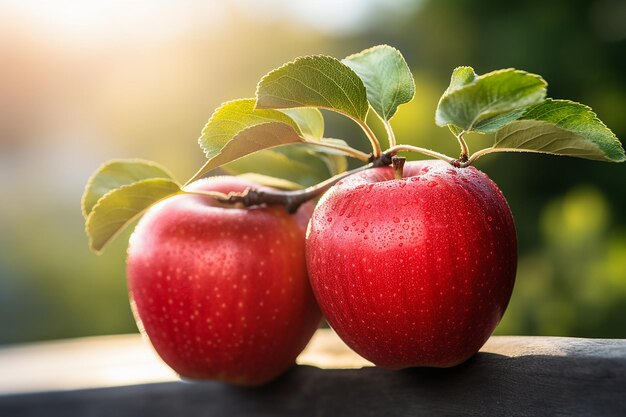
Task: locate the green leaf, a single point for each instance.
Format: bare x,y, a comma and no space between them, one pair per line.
237,129
387,78
309,120
314,81
336,164
253,139
292,162
461,76
329,141
305,164
119,207
469,102
115,174
232,117
273,182
492,124
561,127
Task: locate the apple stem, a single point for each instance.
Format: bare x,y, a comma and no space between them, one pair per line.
409,148
398,166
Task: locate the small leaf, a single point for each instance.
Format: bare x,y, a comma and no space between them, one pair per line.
309,120
115,174
233,117
336,164
119,207
292,162
561,127
237,129
271,181
467,103
386,76
314,81
461,76
250,140
327,150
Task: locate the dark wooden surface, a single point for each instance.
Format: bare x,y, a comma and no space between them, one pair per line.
511,376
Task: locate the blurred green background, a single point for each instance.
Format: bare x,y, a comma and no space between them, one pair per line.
82,82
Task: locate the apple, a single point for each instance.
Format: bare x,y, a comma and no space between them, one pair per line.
222,292
415,271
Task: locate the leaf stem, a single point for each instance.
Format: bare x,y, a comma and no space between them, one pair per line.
391,137
408,148
464,149
489,150
376,150
355,153
290,199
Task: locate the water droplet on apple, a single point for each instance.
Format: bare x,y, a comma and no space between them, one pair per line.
405,226
489,218
432,184
396,220
345,228
329,219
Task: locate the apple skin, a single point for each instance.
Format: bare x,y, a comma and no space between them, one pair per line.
416,271
221,292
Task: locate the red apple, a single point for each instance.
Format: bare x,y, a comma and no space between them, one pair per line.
415,271
222,292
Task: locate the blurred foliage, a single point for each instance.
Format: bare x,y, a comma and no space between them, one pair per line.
574,284
69,103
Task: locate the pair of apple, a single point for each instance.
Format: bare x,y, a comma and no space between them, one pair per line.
410,271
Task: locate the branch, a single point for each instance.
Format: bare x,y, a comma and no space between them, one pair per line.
292,200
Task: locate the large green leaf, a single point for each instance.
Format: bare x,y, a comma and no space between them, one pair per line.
314,81
561,127
115,174
492,124
480,104
386,76
119,207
